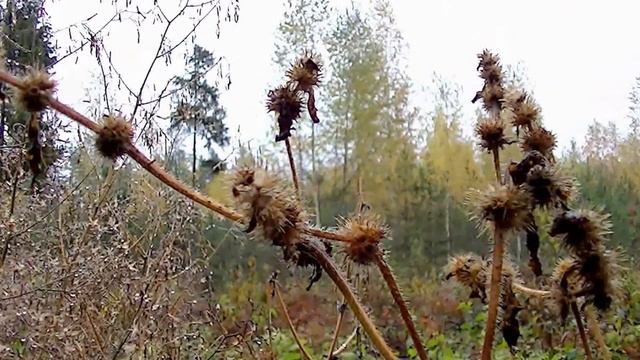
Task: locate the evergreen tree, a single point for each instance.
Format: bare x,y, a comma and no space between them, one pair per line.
197,107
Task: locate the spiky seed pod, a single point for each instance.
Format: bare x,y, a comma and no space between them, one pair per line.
600,272
565,281
492,95
114,136
539,139
504,208
549,187
526,111
305,73
519,171
487,65
287,103
37,87
492,134
583,231
268,205
365,231
471,271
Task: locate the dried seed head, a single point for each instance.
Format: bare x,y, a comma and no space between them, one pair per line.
583,231
471,271
564,282
492,95
504,208
600,273
491,133
288,105
269,206
34,93
365,231
489,66
519,171
539,139
526,111
114,136
550,188
305,73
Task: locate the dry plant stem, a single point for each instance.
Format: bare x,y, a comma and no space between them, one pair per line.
529,291
354,304
287,318
594,329
496,165
392,284
580,326
336,333
342,348
494,293
292,164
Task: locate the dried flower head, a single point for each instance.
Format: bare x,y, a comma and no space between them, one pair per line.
306,72
492,134
268,205
365,231
564,282
539,139
471,271
583,231
550,188
519,170
36,88
287,103
489,66
114,136
526,111
505,208
600,272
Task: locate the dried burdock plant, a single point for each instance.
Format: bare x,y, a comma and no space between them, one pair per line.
549,188
35,90
492,92
526,113
564,283
114,137
286,102
583,231
541,140
518,171
365,231
504,208
471,271
305,74
491,132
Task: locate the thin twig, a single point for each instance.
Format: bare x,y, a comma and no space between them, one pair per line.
292,165
580,326
343,347
341,310
285,314
494,293
392,284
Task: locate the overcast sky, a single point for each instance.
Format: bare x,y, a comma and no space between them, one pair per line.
581,57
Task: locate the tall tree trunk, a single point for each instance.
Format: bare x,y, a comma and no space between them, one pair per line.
193,161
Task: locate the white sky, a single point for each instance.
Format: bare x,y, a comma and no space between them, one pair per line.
581,57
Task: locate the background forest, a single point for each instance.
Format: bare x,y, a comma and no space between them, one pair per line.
100,260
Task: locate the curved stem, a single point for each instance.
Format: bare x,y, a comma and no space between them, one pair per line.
494,294
580,326
287,318
529,291
392,284
343,347
336,333
351,299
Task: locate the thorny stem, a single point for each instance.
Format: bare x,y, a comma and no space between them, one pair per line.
594,329
351,299
583,335
287,318
292,164
392,284
336,333
494,293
